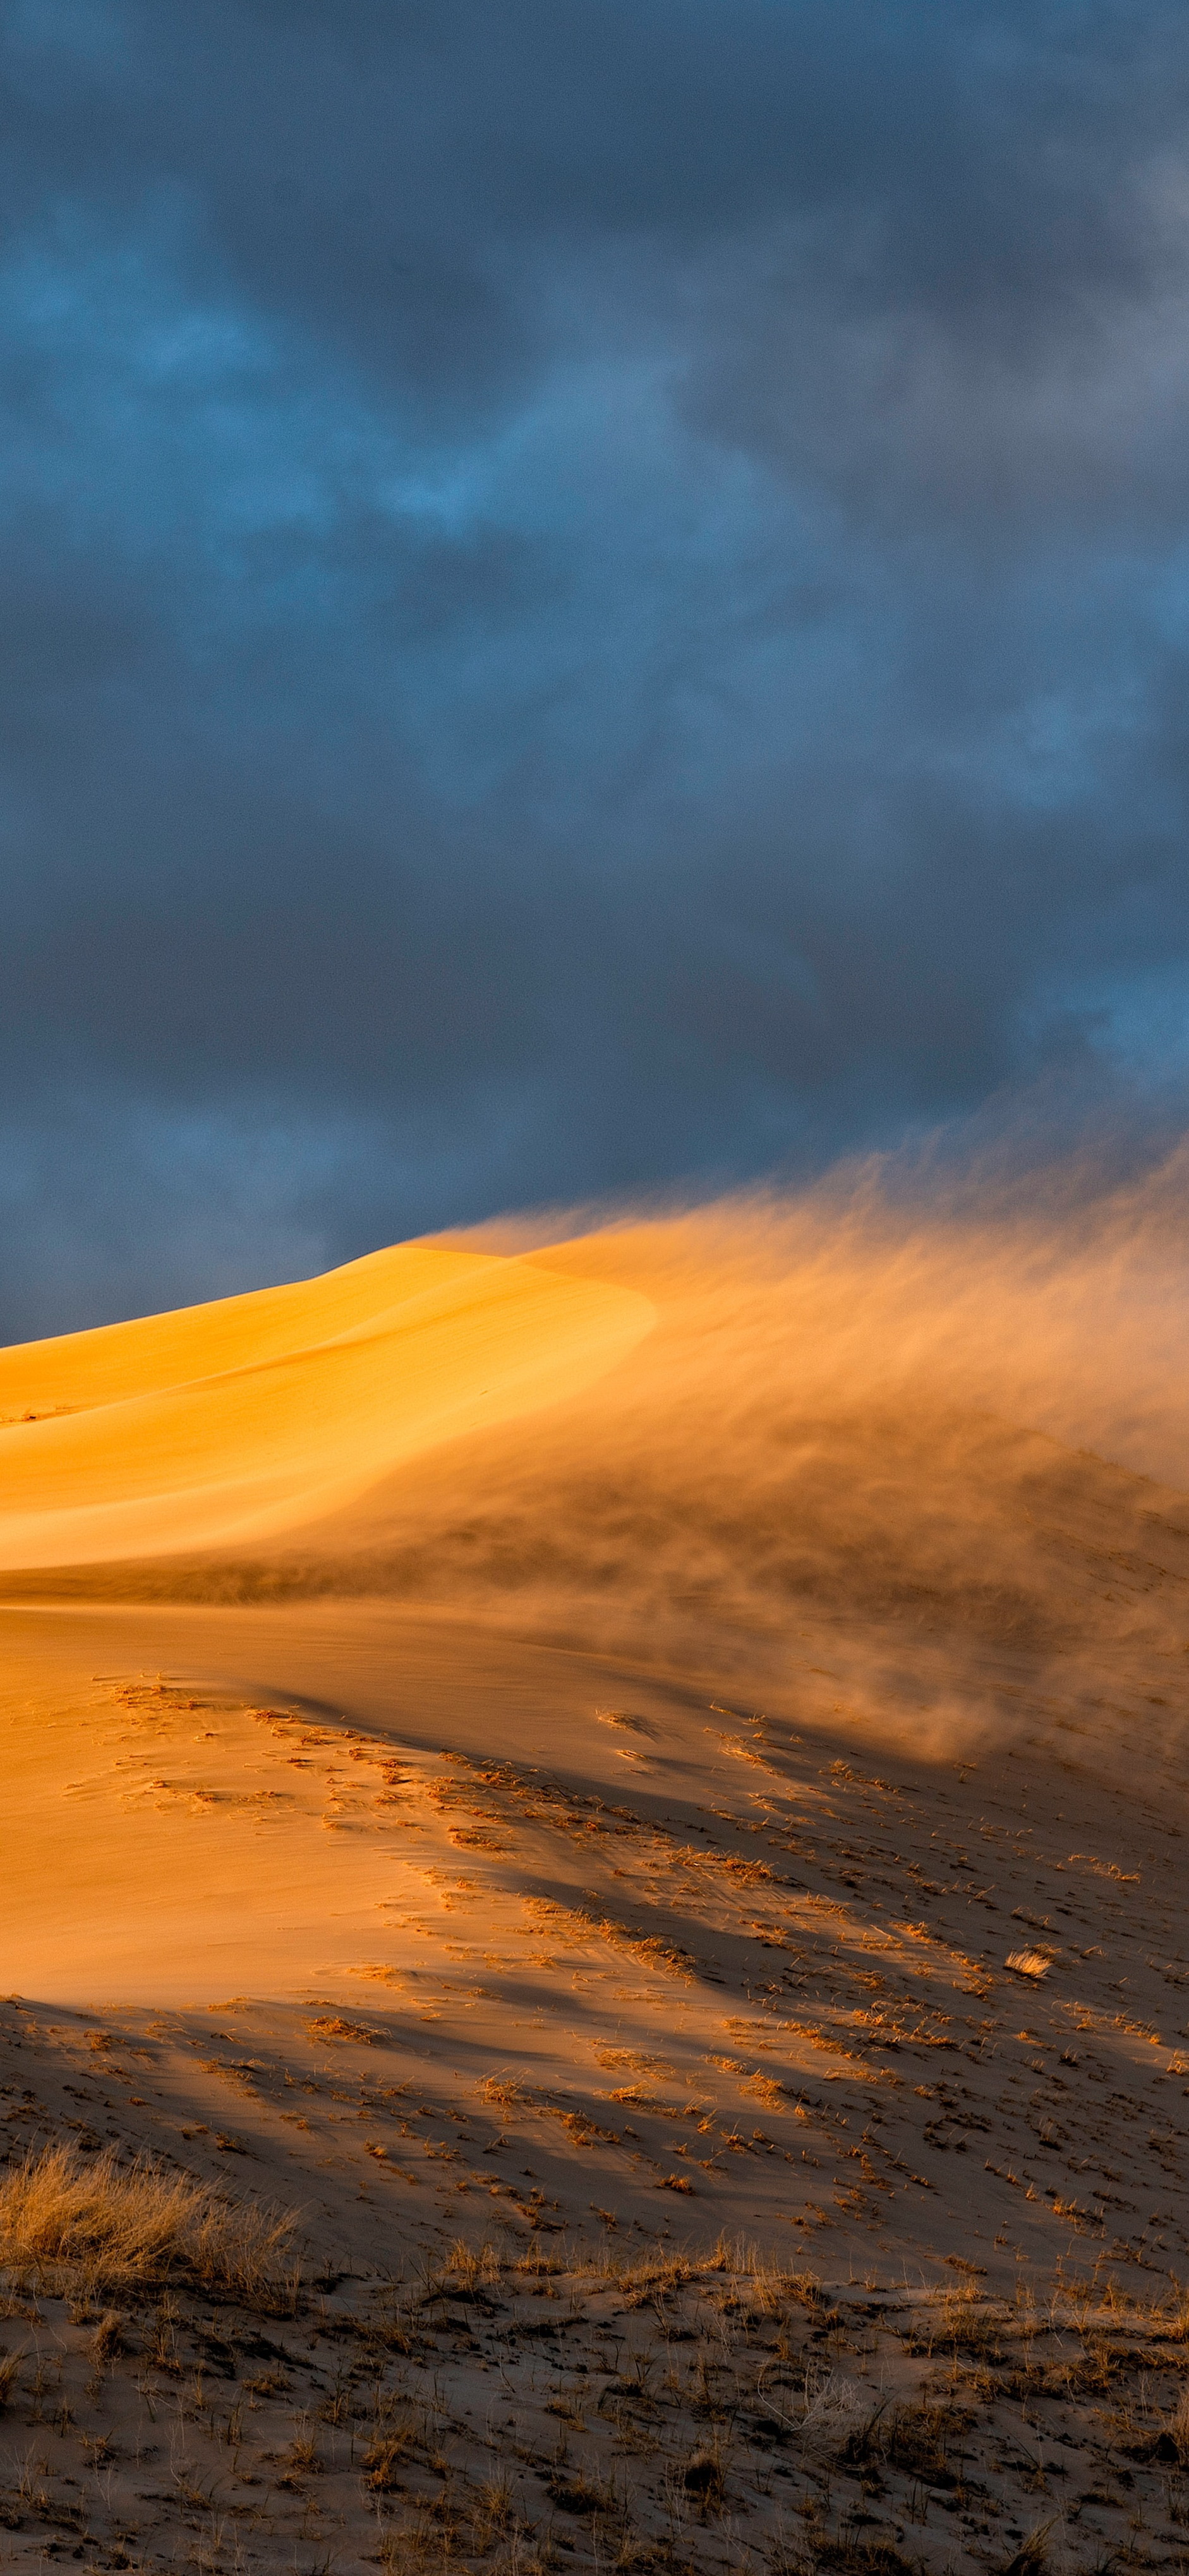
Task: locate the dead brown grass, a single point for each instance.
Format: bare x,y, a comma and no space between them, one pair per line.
140,2223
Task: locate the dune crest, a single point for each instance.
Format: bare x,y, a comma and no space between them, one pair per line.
232,1421
877,1453
568,1760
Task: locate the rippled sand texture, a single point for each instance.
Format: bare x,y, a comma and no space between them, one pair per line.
666,1739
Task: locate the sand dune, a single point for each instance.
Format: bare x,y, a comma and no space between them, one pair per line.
231,1421
935,1461
699,1705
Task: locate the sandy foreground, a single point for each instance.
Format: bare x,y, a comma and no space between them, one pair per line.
664,1857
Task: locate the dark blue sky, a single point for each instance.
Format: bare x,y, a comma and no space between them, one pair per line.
595,594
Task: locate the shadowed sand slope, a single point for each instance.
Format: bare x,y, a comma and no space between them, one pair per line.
692,2120
555,1762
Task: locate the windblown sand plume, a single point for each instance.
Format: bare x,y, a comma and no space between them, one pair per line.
951,1444
697,1702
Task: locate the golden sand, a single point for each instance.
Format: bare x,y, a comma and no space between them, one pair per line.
661,1739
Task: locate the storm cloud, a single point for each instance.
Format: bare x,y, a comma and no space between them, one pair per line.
595,599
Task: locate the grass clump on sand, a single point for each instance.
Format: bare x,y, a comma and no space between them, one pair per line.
125,2224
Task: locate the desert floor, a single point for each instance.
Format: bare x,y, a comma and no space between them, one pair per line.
720,2126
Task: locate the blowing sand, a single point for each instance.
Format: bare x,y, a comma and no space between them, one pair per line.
627,1797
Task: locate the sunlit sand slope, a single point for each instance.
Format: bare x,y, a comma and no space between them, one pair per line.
234,1420
679,1735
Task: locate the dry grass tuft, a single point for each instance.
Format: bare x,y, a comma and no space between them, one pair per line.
1032,2557
1029,1963
139,2223
385,2460
333,2026
837,2412
504,2092
705,2478
1179,2428
471,2267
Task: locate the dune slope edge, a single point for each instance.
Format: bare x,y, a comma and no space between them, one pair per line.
235,1420
659,1852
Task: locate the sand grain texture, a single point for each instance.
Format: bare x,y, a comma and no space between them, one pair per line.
636,1787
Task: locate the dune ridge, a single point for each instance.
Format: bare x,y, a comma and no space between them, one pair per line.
939,1451
233,1420
645,1767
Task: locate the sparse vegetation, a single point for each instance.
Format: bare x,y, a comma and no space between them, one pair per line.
683,2396
526,2346
112,2224
1028,1963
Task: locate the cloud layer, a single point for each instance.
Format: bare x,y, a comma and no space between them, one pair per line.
594,595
